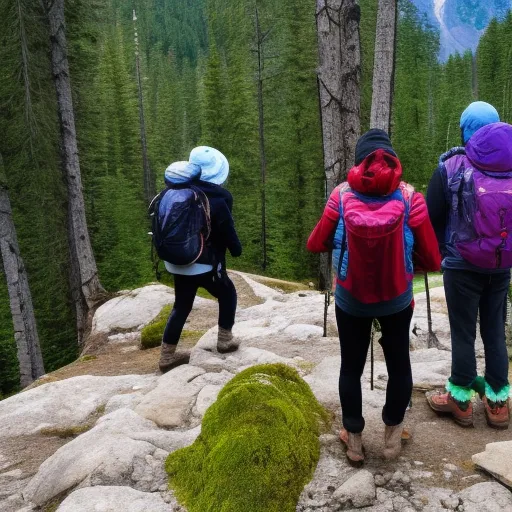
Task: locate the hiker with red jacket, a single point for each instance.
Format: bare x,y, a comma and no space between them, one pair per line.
381,234
193,220
470,204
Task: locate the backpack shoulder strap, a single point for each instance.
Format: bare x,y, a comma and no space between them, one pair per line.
203,200
344,188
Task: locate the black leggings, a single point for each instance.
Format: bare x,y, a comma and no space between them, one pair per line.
185,290
355,333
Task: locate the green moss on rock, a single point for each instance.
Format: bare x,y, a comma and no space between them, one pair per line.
258,446
151,335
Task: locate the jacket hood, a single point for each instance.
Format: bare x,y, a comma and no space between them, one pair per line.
490,148
379,174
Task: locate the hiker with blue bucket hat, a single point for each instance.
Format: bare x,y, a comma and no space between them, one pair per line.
193,228
470,204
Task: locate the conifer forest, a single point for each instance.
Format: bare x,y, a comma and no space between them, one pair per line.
239,75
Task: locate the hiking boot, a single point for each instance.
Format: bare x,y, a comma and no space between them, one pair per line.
226,342
169,358
497,413
444,403
393,441
354,445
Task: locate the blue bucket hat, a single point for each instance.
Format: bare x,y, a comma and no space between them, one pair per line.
181,172
476,116
214,165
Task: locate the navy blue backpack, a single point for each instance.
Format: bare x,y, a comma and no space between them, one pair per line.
180,225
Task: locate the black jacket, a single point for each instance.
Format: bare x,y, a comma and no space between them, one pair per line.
223,234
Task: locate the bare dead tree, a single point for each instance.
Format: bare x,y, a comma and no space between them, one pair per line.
20,299
149,185
86,288
339,77
259,50
384,65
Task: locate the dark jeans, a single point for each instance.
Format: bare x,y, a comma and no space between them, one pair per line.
468,293
355,333
185,290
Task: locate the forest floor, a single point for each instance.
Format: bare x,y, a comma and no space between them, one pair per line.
450,467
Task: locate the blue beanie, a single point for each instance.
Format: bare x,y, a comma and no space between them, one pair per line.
476,116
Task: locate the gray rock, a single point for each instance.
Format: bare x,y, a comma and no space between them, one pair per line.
451,503
103,453
171,402
64,404
358,491
304,331
125,401
206,397
113,499
486,497
131,310
169,441
119,450
497,460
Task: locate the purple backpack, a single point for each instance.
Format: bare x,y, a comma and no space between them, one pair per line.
481,213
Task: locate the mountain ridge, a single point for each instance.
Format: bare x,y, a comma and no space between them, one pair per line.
461,23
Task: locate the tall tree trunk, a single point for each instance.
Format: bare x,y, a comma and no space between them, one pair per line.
260,39
83,264
384,65
20,299
339,77
149,185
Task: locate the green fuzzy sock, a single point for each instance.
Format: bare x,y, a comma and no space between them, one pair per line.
479,385
459,393
497,397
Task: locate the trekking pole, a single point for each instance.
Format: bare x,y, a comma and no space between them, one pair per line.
326,309
327,296
372,357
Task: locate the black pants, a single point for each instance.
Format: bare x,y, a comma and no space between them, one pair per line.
185,290
467,294
355,333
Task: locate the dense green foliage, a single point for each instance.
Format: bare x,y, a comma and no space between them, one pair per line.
199,76
263,428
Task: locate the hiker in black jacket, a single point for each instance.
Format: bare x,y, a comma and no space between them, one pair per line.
207,170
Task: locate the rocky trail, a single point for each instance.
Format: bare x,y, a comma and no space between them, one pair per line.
94,435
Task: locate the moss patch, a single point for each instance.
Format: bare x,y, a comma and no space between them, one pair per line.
87,357
258,445
151,335
282,286
66,432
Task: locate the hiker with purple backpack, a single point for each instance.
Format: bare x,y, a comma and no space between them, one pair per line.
192,230
470,205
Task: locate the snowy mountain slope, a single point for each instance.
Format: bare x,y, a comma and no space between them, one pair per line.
461,22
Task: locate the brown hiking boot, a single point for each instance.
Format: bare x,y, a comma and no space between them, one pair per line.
225,341
393,441
444,403
354,445
497,413
169,358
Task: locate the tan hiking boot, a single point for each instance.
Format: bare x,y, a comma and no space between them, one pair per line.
170,358
226,342
393,441
497,414
354,446
444,403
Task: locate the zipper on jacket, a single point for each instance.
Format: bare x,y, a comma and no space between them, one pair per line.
503,235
